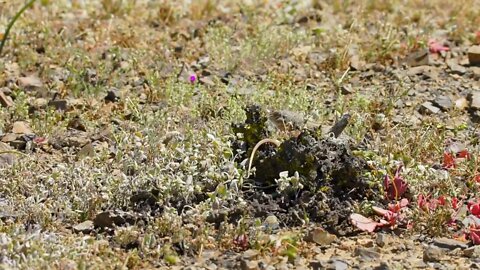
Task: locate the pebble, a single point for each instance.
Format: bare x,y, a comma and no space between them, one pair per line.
382,239
472,252
443,102
5,100
432,254
474,55
456,68
418,58
428,108
113,95
21,127
366,253
84,227
448,243
461,103
249,265
320,237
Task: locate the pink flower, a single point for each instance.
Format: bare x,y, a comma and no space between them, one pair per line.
396,188
436,47
474,234
193,78
474,208
455,202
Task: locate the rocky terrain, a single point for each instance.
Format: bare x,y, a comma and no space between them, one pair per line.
240,135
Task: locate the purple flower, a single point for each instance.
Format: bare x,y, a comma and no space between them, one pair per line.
193,78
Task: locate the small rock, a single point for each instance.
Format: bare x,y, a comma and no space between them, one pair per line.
474,99
365,242
474,55
382,266
271,223
472,252
428,108
206,81
366,253
86,151
320,236
461,103
84,227
249,265
251,254
432,254
5,100
456,68
427,72
113,95
59,104
347,89
448,243
347,244
382,240
356,63
418,58
417,264
21,127
339,264
76,123
30,82
475,72
6,158
9,137
443,102
103,220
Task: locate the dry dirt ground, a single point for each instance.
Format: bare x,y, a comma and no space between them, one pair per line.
128,131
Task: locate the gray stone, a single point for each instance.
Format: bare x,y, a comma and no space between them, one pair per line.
339,265
427,72
207,81
271,223
456,68
474,100
250,254
382,239
432,254
428,108
448,243
347,89
84,227
382,266
366,253
443,102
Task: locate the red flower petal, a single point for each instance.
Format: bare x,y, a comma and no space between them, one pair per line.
436,47
475,235
463,154
364,223
448,161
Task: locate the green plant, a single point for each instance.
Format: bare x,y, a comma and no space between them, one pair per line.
12,22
